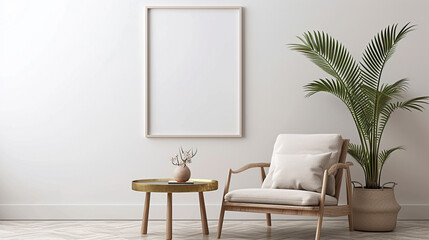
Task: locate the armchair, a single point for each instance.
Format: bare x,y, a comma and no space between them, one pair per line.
317,204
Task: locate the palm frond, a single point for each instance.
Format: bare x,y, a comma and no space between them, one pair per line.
383,156
379,51
410,104
330,55
395,89
387,93
359,154
327,85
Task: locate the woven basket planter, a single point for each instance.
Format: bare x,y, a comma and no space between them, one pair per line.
375,210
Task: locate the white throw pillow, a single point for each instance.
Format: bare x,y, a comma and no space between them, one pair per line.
300,171
306,144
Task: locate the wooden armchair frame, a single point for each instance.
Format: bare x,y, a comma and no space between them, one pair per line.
319,211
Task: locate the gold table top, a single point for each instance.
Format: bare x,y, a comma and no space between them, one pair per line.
161,185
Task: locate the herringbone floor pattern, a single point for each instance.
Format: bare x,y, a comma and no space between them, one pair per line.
109,230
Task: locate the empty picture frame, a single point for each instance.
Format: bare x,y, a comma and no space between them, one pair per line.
194,71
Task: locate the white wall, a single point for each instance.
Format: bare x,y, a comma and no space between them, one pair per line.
72,103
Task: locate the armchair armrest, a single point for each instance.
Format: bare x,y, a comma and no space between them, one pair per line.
334,168
242,169
337,166
251,165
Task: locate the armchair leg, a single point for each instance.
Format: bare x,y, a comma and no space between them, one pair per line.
350,216
319,226
349,199
269,219
220,223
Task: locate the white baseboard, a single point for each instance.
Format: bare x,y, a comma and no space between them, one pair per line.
157,212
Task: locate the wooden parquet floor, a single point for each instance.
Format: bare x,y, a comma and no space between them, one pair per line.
109,230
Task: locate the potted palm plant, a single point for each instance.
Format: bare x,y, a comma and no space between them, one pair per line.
371,103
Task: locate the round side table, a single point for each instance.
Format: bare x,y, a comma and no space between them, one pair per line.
162,186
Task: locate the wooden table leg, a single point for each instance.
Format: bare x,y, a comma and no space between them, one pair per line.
169,222
203,214
145,213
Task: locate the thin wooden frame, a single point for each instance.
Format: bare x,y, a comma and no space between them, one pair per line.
240,75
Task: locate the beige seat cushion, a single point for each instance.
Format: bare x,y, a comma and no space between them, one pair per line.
278,196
